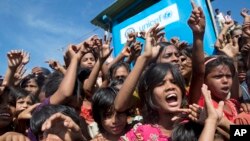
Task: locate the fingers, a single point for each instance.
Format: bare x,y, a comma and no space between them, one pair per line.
193,4
67,122
220,106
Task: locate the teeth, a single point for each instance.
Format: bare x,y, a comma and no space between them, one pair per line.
171,95
4,114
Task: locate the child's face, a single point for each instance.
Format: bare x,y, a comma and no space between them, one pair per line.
169,55
88,61
114,123
23,103
167,95
121,72
31,87
219,82
6,111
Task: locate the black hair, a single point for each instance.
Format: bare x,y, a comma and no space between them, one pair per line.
151,78
219,60
186,131
20,93
114,68
116,82
39,117
102,103
187,51
39,79
163,45
52,83
11,98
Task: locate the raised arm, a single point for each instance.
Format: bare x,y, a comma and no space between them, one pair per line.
197,24
123,99
66,87
14,60
104,52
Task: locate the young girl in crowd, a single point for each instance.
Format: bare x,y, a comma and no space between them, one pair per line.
33,83
112,124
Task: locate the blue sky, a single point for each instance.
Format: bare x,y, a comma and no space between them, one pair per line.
44,28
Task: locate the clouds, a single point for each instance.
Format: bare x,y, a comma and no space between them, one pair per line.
44,27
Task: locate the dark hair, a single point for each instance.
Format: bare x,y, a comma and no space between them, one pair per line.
219,60
163,45
52,83
39,117
103,102
186,131
20,93
114,68
39,78
150,79
115,82
10,97
187,51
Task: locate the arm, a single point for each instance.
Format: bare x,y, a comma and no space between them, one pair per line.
123,99
197,24
66,87
55,65
220,40
104,52
14,60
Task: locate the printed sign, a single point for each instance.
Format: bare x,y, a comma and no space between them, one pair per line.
165,17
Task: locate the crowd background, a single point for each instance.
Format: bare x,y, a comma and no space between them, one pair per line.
174,92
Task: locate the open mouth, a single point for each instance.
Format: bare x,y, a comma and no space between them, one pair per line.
4,115
171,99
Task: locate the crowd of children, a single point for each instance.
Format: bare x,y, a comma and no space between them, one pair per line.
174,92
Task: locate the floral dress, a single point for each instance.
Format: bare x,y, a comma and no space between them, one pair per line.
146,132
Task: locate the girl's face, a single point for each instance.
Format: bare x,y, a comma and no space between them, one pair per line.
23,103
31,87
167,95
6,111
219,82
114,122
169,55
186,65
88,61
121,72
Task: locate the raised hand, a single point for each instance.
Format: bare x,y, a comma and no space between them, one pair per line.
228,24
152,37
197,20
26,57
18,76
104,51
69,130
53,64
14,58
27,113
246,25
228,46
213,114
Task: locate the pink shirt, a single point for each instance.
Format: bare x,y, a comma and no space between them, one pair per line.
146,132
